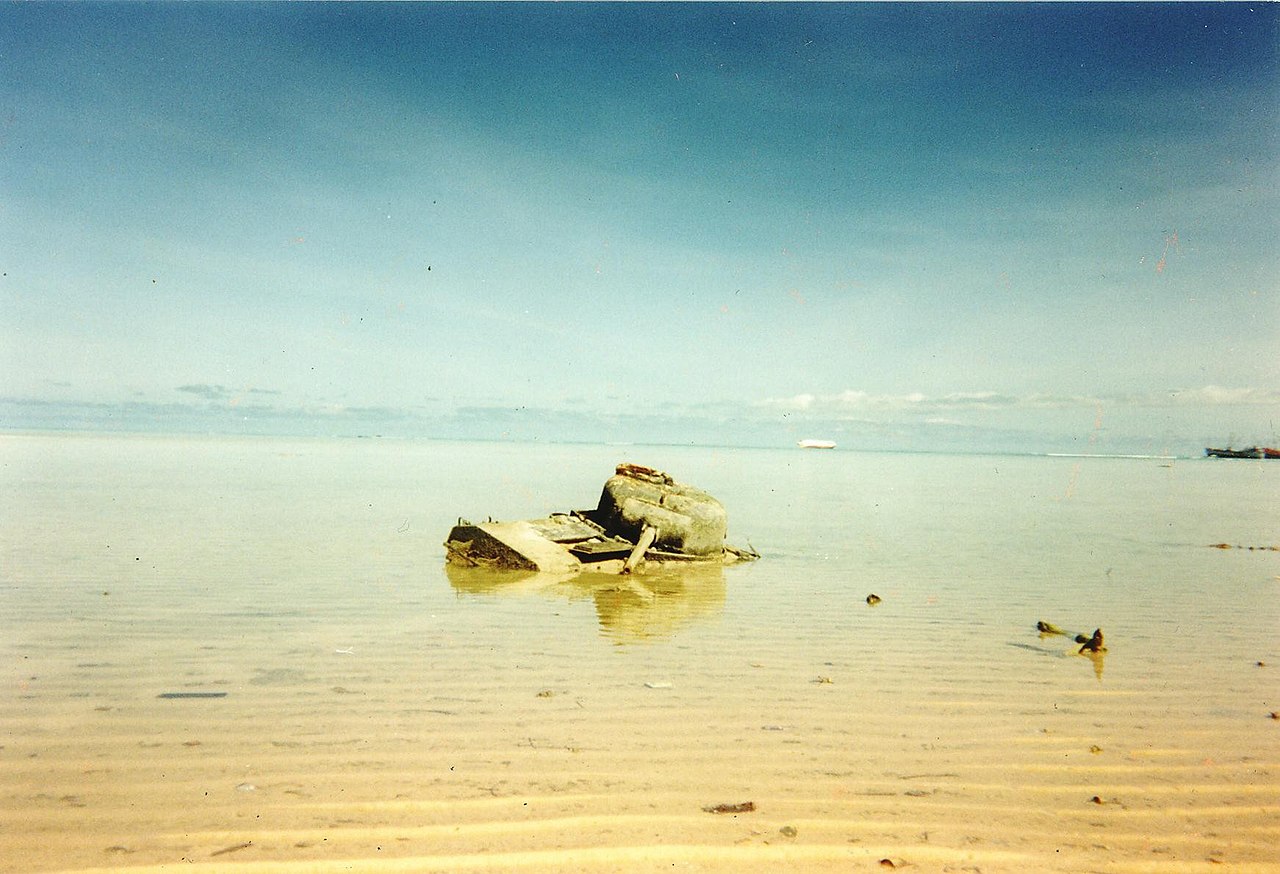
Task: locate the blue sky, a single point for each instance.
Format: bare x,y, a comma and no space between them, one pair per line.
964,226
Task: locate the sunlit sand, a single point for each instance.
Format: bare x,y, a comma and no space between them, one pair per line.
385,713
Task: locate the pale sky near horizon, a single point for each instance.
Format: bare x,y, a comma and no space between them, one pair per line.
790,218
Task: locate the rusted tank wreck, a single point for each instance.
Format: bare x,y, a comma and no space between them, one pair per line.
643,515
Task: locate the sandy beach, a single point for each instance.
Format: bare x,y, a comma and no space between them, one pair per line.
337,701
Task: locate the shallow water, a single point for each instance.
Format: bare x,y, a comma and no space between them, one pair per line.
385,713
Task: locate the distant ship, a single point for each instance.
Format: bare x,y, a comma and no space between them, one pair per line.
816,444
1251,452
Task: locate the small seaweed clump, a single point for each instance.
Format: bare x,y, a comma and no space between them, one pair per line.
1093,644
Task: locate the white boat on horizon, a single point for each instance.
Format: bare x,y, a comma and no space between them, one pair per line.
816,444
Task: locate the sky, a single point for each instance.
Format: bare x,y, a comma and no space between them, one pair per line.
955,226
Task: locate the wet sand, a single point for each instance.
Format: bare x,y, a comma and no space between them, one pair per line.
381,714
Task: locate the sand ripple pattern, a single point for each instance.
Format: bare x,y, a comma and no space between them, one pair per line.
379,716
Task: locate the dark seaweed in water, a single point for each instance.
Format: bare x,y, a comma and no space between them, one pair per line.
1093,644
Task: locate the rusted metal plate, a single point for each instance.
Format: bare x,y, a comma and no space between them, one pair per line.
596,550
563,528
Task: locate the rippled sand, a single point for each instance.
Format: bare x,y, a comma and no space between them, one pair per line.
382,714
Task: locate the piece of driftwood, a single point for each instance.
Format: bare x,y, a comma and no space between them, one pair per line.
637,555
235,848
742,807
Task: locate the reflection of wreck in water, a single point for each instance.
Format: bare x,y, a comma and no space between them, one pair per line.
630,609
651,555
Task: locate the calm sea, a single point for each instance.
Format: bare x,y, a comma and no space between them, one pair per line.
362,707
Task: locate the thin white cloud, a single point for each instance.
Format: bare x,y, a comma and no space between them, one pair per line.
796,402
1218,396
853,401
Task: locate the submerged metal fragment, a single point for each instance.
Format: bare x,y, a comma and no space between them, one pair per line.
643,515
